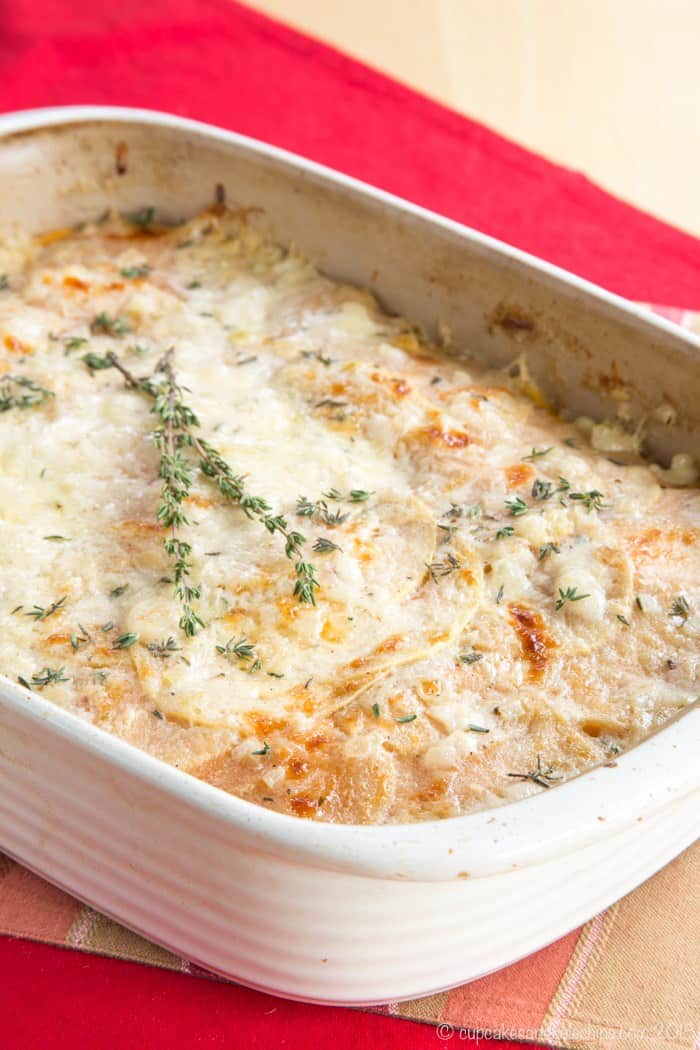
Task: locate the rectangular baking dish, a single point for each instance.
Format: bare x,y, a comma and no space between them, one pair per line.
343,914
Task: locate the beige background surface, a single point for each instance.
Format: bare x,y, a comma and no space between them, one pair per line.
609,87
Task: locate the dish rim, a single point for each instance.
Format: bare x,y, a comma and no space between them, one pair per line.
579,812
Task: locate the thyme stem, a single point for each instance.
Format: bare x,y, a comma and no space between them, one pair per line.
176,475
173,438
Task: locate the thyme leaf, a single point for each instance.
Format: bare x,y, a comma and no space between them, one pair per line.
470,656
125,641
681,608
38,612
241,648
22,392
163,649
592,500
105,324
543,777
438,569
536,454
48,675
133,272
569,595
96,362
319,511
516,507
143,218
541,490
79,640
324,546
73,342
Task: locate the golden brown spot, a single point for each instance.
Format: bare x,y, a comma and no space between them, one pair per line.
349,685
316,741
645,541
16,346
290,608
446,438
75,282
117,689
597,726
399,386
518,474
263,725
533,635
363,551
297,767
390,644
655,542
303,806
332,632
54,235
433,792
58,638
198,501
143,528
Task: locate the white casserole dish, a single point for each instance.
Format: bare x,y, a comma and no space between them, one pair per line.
329,913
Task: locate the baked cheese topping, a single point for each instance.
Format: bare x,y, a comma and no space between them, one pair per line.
482,600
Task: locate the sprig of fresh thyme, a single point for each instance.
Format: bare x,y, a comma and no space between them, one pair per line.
175,472
45,677
438,569
539,775
22,392
176,434
571,594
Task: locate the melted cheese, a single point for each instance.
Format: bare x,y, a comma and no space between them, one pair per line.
505,598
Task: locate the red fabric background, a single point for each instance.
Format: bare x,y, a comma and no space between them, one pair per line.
217,61
220,62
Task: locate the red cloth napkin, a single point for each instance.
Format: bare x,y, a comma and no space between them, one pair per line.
220,62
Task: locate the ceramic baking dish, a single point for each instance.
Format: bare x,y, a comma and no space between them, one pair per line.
326,913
